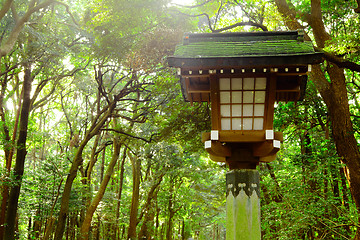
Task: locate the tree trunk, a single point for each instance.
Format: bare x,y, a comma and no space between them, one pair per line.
171,211
102,166
37,225
29,229
277,197
121,182
344,189
85,227
51,219
20,158
63,214
49,227
335,97
183,230
149,209
157,222
94,129
86,178
334,94
8,149
135,196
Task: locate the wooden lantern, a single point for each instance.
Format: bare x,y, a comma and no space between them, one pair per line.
243,75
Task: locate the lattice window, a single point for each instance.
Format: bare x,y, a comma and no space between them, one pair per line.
242,103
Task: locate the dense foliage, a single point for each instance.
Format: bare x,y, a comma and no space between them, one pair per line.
97,142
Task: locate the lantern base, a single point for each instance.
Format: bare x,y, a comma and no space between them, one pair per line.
242,149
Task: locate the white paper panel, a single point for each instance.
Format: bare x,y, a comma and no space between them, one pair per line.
260,96
236,97
224,83
276,144
236,124
236,83
259,110
236,110
225,110
258,124
247,123
260,84
225,124
224,97
249,83
248,96
248,110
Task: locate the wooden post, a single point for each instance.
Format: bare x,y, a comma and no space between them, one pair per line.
243,205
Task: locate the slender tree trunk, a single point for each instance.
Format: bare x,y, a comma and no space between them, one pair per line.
86,178
71,226
5,128
37,225
135,197
157,222
85,227
20,158
63,214
4,189
345,198
121,182
171,211
29,229
94,129
183,230
149,209
278,197
51,219
102,166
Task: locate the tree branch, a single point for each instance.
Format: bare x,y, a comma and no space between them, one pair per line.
217,15
197,15
357,10
264,28
5,8
317,24
193,6
67,8
340,62
289,14
129,135
8,46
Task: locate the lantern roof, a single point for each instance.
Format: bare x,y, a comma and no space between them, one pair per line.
244,49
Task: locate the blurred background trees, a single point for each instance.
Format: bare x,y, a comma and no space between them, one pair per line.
97,142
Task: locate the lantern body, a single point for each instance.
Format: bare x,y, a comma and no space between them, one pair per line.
243,75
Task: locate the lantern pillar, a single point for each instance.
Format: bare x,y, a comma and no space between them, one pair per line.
243,205
242,195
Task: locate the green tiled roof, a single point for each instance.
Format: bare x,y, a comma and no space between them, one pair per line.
243,45
208,50
243,49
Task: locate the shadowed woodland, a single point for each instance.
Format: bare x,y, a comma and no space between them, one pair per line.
98,143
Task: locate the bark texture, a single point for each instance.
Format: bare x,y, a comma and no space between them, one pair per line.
135,196
20,158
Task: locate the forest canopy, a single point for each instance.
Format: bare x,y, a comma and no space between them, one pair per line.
98,143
